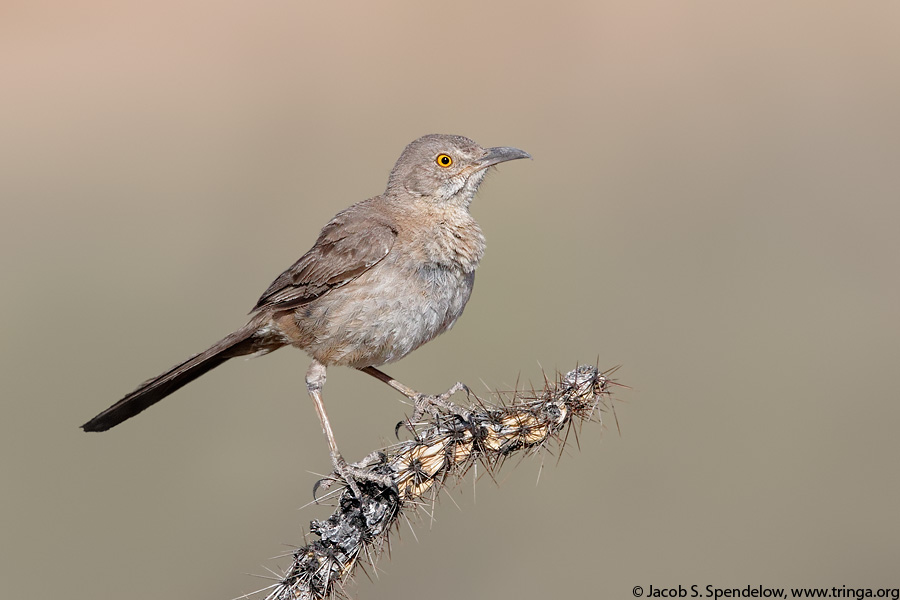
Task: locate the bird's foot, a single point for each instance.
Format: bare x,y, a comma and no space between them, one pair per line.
352,474
433,405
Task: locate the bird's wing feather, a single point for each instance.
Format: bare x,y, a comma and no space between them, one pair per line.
352,243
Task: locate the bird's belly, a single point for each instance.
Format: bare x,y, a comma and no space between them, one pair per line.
376,320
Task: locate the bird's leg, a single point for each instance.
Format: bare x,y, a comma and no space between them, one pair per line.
423,403
351,473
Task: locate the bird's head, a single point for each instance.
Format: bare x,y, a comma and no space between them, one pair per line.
445,168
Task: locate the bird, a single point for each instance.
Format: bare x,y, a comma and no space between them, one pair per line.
385,276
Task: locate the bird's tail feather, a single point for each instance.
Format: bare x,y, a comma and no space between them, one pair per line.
153,390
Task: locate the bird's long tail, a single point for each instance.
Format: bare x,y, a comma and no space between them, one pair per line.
150,392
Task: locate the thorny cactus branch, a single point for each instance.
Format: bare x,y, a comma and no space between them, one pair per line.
450,444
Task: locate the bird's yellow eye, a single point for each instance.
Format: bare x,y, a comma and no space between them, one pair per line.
444,160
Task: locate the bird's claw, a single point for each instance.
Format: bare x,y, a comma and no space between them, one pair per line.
352,474
433,405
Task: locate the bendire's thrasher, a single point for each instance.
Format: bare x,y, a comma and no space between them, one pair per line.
385,276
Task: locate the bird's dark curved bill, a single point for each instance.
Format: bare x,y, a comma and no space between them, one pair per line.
501,154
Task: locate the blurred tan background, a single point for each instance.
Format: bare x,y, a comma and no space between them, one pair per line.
713,203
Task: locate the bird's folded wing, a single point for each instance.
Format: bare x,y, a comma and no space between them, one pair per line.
348,246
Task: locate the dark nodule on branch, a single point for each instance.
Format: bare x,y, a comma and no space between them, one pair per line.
449,444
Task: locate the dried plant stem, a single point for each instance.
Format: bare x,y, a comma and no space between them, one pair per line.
449,444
